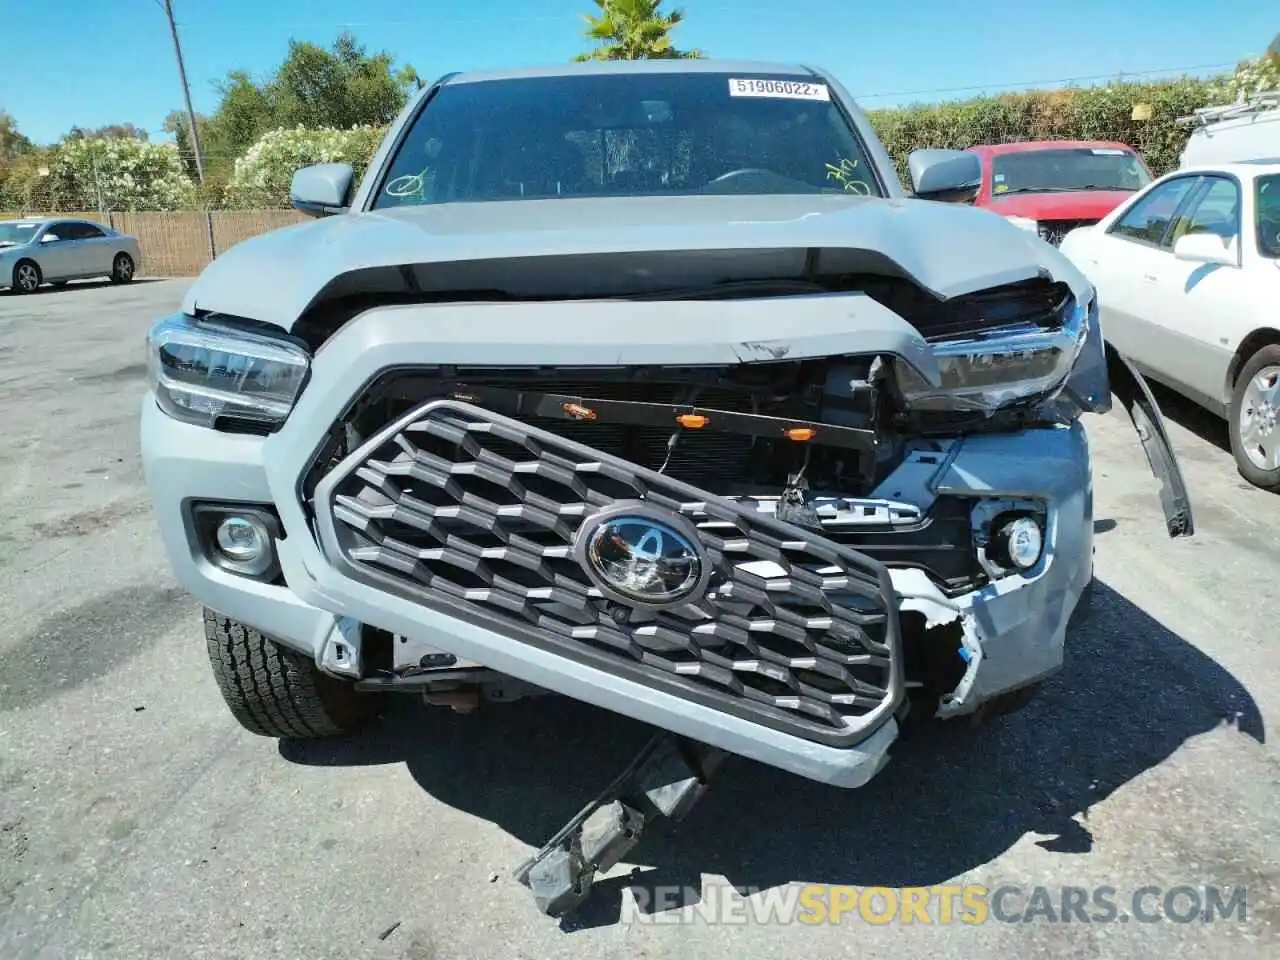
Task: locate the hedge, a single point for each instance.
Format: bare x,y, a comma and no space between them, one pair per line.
1089,113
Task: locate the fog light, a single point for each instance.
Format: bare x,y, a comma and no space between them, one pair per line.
1020,542
243,540
239,539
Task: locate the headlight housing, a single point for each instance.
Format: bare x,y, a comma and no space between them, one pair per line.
1002,366
225,373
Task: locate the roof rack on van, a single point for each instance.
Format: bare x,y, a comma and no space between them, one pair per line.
1266,100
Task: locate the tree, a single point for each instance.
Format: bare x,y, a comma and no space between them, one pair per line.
112,131
12,143
633,30
341,87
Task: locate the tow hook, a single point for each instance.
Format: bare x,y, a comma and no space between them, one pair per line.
665,779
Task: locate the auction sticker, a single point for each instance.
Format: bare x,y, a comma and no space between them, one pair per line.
784,89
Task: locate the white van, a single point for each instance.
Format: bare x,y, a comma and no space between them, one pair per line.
1248,130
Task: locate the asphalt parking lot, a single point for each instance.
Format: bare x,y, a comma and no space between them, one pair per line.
138,820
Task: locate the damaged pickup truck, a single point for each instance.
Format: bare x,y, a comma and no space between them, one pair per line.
642,383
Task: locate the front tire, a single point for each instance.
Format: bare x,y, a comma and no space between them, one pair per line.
1254,419
122,268
275,692
26,276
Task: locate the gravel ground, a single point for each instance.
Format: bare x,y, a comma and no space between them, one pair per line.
137,820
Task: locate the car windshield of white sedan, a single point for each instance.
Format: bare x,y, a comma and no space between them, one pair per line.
15,232
1268,206
1067,169
629,135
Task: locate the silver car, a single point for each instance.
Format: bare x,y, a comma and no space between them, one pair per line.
41,250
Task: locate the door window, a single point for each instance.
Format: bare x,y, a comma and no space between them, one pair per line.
1148,220
1216,210
79,231
1268,214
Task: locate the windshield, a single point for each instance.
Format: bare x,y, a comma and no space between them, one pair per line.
1268,207
626,136
1065,169
17,231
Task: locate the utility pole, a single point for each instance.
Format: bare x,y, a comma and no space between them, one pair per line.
186,93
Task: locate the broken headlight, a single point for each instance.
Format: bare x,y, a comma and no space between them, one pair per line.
1002,365
223,372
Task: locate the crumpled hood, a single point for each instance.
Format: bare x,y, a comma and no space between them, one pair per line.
948,249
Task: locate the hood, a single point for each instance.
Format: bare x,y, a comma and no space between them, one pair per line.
1073,205
945,248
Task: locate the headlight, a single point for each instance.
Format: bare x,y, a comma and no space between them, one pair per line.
1004,366
218,371
1026,223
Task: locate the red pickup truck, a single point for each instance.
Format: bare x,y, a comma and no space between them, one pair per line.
1054,186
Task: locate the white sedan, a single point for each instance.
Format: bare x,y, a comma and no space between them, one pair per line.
43,250
1188,278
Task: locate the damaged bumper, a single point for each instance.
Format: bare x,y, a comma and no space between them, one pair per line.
797,659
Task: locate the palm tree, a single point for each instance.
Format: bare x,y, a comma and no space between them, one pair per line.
633,30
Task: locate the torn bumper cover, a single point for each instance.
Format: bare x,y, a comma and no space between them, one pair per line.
790,650
786,632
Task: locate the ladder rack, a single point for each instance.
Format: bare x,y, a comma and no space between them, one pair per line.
1258,103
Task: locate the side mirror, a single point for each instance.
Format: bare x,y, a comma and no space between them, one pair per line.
49,238
953,176
1207,248
322,189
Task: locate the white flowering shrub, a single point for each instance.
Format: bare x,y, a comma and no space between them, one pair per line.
118,173
263,174
1255,76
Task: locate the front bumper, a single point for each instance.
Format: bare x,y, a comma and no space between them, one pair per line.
1011,629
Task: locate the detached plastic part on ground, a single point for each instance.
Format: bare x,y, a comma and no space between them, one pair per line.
666,778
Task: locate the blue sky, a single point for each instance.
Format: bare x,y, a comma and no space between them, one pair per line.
113,59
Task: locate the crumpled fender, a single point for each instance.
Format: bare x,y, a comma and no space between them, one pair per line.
1132,390
1100,371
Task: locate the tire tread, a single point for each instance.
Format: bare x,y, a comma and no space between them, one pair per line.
273,691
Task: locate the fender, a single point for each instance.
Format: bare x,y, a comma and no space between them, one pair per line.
1133,393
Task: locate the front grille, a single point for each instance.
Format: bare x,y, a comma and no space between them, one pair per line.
474,514
1055,230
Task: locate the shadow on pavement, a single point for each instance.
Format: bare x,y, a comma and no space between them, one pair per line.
75,285
950,800
1191,416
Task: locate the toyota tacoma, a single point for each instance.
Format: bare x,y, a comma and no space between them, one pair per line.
648,384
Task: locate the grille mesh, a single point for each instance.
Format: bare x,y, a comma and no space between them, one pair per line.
466,511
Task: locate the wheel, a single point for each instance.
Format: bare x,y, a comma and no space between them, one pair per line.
1254,419
26,276
273,691
122,268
